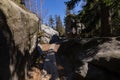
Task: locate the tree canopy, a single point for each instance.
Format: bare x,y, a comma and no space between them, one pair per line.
101,17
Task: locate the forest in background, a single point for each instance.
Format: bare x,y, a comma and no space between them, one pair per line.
100,17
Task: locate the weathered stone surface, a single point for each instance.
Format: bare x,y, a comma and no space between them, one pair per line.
48,34
92,59
18,35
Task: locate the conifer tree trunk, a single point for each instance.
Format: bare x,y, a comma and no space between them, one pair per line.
105,21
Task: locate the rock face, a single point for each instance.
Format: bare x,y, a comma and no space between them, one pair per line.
92,59
48,34
18,35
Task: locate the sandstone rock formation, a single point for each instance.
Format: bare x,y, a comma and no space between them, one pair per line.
91,59
18,35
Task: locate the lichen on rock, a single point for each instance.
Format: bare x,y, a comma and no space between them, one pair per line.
18,37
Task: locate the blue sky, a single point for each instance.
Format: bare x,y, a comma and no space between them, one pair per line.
57,7
51,7
54,7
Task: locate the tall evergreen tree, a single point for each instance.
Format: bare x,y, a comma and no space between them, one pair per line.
67,11
97,13
59,26
51,21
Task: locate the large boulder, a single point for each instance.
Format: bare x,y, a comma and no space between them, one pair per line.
49,34
18,35
91,59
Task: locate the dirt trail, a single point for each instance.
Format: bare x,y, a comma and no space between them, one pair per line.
46,47
36,73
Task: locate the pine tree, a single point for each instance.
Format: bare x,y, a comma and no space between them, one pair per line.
98,15
51,21
67,11
59,26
